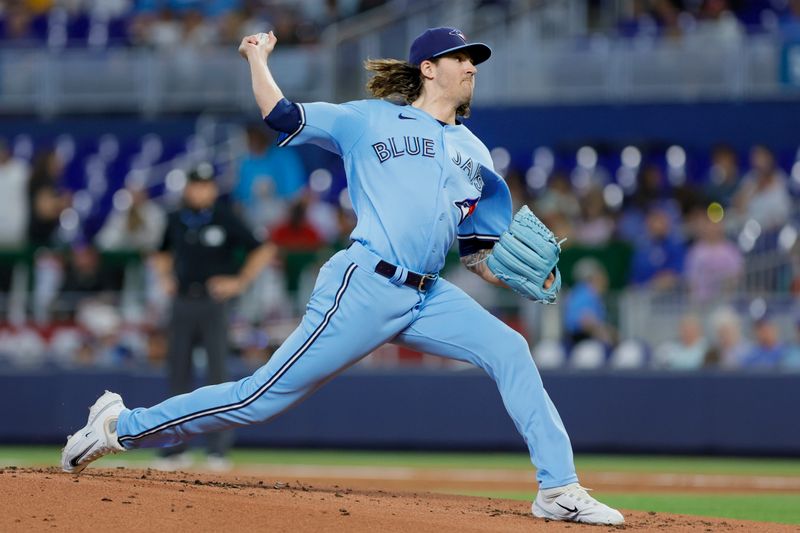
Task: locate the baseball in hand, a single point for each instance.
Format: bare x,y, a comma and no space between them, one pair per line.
262,38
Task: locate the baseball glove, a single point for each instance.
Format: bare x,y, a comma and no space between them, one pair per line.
525,256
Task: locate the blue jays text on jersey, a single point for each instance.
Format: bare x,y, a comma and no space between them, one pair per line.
409,210
409,146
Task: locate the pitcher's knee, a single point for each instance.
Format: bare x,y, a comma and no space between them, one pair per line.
516,350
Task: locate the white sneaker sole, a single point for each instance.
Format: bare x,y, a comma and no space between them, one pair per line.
78,445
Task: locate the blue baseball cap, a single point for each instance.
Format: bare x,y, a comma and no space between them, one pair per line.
436,42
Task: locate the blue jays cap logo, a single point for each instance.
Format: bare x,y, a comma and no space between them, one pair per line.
466,208
459,34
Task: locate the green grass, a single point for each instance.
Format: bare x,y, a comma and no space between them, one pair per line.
782,508
49,455
689,465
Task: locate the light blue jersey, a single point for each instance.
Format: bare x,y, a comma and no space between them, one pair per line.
414,184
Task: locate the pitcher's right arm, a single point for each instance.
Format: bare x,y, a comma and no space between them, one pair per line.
256,50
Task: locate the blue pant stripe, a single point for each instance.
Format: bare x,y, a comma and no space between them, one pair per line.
266,386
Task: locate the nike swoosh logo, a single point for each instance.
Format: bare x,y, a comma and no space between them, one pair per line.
403,117
567,508
74,461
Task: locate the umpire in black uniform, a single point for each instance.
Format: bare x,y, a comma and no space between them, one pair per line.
197,264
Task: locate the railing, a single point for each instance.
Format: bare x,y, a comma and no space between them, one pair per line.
526,67
147,81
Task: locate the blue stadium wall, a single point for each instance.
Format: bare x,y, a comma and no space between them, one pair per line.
637,412
698,125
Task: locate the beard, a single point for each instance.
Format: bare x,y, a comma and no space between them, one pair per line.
463,108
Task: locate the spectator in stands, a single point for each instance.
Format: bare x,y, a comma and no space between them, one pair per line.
667,16
14,176
714,265
689,352
558,207
763,195
558,198
729,348
718,22
585,314
651,18
267,179
254,17
137,227
291,24
84,278
657,261
161,29
299,243
103,344
768,350
295,232
652,192
595,226
47,198
723,176
230,26
196,31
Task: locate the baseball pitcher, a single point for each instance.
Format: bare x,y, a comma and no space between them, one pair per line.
418,180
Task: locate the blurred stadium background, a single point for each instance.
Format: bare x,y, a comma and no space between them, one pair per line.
659,136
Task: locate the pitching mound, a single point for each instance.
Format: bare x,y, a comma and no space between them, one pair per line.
145,500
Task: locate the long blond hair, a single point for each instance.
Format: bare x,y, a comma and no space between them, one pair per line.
399,81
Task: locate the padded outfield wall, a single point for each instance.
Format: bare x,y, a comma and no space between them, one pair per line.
647,412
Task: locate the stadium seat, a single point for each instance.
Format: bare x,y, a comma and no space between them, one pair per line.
549,354
629,354
588,354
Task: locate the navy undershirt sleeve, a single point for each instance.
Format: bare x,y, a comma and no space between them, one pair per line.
284,117
472,245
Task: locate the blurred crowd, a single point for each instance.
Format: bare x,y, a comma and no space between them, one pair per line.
648,229
76,244
198,23
711,255
168,23
718,19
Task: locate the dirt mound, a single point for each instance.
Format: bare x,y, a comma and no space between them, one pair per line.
145,500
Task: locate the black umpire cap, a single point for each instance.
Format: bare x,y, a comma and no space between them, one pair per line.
202,173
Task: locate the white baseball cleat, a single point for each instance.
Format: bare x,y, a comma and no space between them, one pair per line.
97,438
573,504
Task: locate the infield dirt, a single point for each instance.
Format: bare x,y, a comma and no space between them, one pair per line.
124,499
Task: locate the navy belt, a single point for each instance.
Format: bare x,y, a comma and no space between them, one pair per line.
421,282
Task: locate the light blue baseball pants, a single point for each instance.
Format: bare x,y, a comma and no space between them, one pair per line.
352,311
